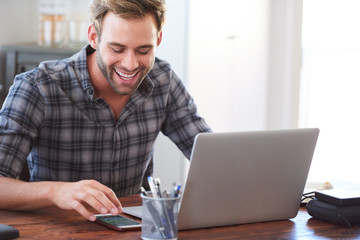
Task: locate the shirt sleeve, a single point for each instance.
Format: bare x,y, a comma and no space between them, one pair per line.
20,116
183,122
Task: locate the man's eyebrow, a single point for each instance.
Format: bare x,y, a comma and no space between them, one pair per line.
146,46
115,44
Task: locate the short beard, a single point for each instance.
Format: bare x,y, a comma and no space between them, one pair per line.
103,68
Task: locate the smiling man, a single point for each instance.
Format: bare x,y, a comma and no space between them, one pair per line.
86,125
125,54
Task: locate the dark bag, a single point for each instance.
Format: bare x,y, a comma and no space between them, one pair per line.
342,215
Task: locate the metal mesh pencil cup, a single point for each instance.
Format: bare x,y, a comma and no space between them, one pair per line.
159,217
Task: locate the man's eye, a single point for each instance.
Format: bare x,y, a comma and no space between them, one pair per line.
118,50
144,51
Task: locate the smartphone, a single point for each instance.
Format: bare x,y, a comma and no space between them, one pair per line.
117,222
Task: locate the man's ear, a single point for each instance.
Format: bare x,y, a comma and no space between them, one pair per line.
159,38
92,36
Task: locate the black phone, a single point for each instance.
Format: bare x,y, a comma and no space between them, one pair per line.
117,222
8,232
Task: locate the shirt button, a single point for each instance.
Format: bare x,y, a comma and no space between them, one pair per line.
91,92
114,164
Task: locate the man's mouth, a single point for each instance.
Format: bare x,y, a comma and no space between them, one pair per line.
124,76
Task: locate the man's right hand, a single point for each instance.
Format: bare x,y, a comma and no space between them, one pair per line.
75,195
19,195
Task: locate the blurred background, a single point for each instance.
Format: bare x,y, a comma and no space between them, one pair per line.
249,64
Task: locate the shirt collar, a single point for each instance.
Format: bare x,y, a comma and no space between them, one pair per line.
82,70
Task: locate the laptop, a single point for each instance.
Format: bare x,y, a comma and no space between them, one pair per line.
245,177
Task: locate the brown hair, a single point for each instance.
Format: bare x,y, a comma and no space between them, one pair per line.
127,9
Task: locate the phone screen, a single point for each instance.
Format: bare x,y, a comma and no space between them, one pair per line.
117,222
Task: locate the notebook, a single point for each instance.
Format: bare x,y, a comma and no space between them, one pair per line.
339,197
245,177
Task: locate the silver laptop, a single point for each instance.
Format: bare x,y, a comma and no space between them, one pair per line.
245,177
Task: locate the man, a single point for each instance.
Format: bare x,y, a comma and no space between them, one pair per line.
86,125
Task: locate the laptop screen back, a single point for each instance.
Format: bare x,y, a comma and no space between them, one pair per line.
244,177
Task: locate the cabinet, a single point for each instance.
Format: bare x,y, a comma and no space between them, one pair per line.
24,57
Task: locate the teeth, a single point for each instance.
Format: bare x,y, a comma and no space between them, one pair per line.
126,76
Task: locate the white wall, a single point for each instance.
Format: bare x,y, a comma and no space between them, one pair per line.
18,27
284,64
229,60
18,21
244,62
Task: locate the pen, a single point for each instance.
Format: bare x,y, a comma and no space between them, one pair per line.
176,190
152,187
158,187
142,189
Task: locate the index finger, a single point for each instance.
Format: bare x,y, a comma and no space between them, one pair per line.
110,195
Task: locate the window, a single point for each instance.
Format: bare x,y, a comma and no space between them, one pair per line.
330,86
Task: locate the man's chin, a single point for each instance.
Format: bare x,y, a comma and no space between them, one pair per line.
125,90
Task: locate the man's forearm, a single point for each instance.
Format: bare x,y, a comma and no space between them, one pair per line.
19,195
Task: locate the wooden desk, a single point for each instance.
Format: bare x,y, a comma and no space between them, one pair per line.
53,223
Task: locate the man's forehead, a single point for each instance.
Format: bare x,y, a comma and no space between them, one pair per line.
133,19
129,32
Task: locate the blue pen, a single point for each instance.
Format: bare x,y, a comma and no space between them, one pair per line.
177,190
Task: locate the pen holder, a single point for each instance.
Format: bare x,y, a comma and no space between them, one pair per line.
159,217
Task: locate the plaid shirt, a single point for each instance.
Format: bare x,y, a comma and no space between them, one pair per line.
51,118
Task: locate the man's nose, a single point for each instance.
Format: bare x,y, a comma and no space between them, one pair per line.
130,61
